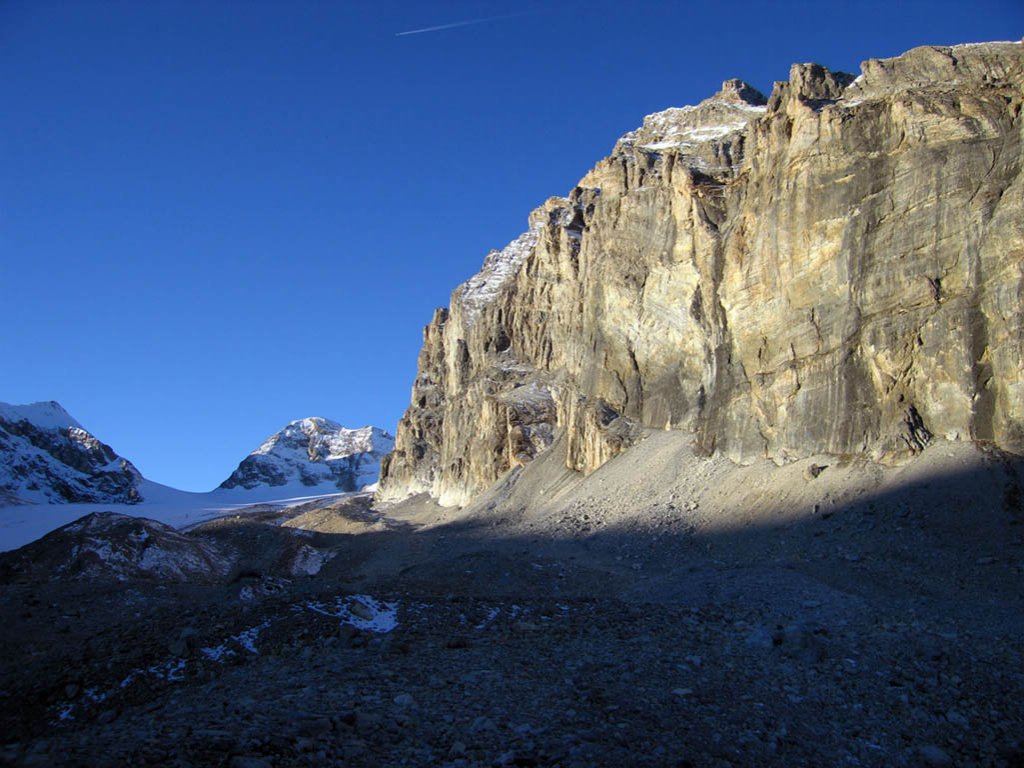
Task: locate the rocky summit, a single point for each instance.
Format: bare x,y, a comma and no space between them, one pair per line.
837,268
315,452
48,457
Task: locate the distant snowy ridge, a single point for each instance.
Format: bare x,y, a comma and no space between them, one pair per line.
45,415
47,457
53,471
314,453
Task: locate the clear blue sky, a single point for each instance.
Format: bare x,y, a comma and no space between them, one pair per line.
216,217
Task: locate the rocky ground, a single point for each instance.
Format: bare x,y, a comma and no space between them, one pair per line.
637,617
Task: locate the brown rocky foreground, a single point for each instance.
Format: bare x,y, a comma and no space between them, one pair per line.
667,610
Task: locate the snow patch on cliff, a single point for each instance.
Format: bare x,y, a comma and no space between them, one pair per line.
686,128
683,128
499,267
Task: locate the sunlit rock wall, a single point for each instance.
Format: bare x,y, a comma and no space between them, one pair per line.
838,268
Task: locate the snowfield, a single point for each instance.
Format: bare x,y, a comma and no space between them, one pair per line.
48,458
22,524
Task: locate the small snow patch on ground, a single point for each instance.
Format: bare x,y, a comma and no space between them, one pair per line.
245,640
216,652
94,695
492,614
170,670
361,611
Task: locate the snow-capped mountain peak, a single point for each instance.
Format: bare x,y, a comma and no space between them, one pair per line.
315,453
47,456
326,440
47,414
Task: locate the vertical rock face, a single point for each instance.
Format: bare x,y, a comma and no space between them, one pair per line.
838,268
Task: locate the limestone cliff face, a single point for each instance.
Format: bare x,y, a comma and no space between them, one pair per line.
838,268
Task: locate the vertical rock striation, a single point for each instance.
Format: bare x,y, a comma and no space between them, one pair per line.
837,268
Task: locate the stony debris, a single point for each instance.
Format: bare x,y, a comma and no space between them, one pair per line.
440,646
108,545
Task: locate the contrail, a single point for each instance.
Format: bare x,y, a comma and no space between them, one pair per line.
461,24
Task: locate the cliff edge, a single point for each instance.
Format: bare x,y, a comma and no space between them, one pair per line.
837,268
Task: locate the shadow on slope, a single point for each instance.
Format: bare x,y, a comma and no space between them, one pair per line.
660,524
650,600
655,525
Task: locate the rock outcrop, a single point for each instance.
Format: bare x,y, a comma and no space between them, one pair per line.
314,453
838,268
108,545
48,457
